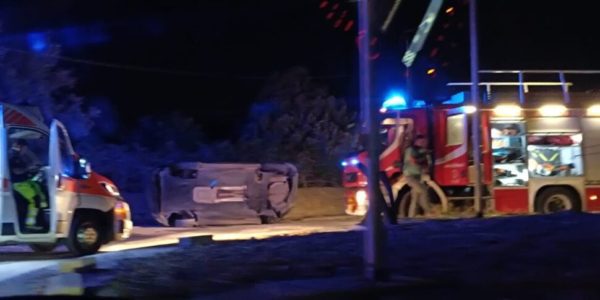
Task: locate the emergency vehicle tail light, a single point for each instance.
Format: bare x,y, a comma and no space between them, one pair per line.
507,110
552,110
594,110
122,210
353,162
361,198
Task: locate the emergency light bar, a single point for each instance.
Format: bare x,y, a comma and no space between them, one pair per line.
507,110
395,103
594,110
552,110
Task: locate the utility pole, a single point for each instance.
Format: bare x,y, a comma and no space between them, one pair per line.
476,139
374,236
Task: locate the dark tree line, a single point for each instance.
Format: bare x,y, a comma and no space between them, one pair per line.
294,119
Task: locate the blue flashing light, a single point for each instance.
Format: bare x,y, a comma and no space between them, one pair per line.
395,102
354,161
419,103
344,163
37,41
459,98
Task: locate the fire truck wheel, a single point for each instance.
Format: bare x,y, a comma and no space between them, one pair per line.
84,236
42,248
557,199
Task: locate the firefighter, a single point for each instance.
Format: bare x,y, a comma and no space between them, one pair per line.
27,181
416,164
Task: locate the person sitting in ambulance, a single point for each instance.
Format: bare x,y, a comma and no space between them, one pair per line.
25,167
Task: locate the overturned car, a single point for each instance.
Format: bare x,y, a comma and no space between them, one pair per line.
195,193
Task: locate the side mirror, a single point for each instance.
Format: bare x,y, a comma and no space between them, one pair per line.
81,168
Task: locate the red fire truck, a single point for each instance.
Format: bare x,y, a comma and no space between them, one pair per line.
541,155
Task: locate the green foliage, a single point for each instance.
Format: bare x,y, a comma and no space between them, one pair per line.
35,79
299,121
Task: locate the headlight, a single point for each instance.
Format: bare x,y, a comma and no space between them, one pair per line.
122,211
113,190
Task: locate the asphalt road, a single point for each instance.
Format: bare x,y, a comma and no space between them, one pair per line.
19,260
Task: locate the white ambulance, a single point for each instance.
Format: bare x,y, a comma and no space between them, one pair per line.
58,199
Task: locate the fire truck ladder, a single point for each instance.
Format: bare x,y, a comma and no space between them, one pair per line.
524,85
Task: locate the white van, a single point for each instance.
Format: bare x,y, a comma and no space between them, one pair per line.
72,204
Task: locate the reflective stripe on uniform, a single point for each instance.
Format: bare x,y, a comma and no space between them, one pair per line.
30,189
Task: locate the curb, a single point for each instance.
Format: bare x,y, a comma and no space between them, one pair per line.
73,265
69,281
188,242
68,284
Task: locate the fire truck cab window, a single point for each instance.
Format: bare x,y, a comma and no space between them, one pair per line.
455,134
393,129
508,149
386,135
555,155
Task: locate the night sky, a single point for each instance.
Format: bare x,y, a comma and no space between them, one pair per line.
225,49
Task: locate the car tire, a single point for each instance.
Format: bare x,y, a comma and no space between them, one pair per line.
269,219
557,199
42,248
85,236
173,218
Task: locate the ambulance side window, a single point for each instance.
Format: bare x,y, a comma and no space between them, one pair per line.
66,159
27,153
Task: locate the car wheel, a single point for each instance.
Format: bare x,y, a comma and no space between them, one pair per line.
173,218
269,219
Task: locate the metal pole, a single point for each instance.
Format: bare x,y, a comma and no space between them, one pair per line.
479,207
408,73
521,89
374,237
565,88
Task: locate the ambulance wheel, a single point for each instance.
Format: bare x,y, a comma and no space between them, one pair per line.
84,236
42,248
557,199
